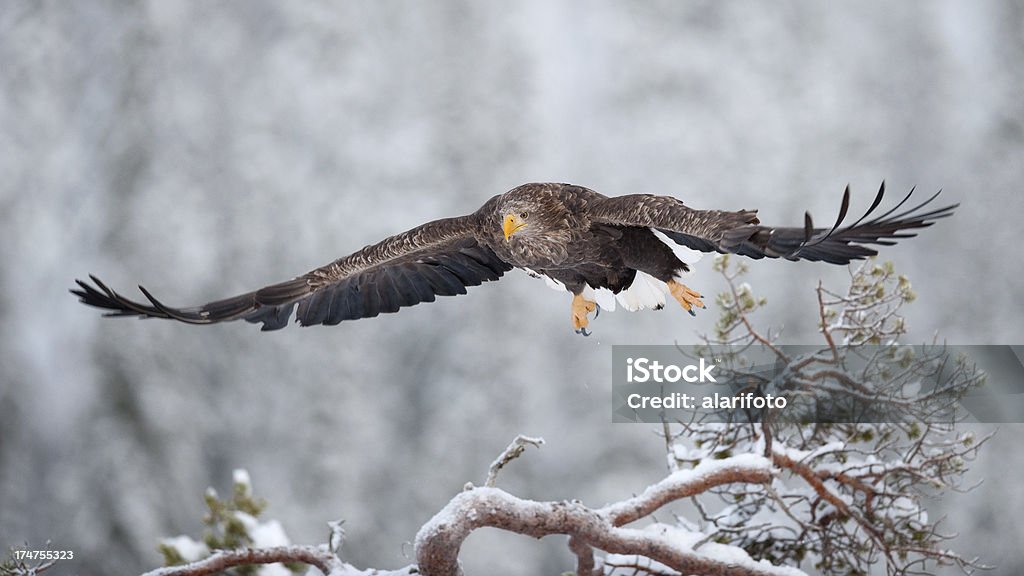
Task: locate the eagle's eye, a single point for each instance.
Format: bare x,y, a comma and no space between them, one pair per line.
524,214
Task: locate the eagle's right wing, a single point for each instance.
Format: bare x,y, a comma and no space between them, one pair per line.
741,232
440,258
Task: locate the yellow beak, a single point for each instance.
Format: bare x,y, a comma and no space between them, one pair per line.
511,225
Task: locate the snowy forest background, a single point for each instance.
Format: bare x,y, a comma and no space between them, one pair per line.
205,149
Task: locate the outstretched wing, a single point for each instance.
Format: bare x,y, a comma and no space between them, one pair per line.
440,258
741,232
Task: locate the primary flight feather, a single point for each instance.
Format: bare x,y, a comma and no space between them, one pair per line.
631,250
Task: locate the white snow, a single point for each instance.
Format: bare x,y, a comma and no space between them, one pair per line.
269,534
241,476
190,550
276,570
690,475
707,467
264,534
685,540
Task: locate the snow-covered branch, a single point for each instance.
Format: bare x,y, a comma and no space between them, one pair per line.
439,541
514,450
318,556
745,468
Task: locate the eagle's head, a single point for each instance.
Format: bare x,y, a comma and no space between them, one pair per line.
515,220
534,221
532,211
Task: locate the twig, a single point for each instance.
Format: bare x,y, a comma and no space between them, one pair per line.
514,450
584,556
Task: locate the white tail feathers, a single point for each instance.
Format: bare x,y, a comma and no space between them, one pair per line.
604,297
646,291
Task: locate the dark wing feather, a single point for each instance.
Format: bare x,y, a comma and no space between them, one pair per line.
440,258
741,232
698,229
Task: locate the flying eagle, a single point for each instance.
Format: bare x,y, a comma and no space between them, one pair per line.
629,249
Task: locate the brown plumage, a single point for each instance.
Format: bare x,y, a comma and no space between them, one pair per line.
576,237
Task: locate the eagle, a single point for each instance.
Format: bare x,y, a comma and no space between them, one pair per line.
631,250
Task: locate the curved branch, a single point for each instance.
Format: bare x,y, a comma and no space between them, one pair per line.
747,468
439,541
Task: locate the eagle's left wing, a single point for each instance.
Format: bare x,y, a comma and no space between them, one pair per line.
741,232
440,258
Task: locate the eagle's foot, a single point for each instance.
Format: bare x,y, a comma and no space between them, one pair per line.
581,307
686,297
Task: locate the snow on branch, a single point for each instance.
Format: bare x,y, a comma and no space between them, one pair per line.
439,540
514,450
746,468
318,556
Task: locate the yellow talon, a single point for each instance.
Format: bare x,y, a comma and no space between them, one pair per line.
581,307
686,297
